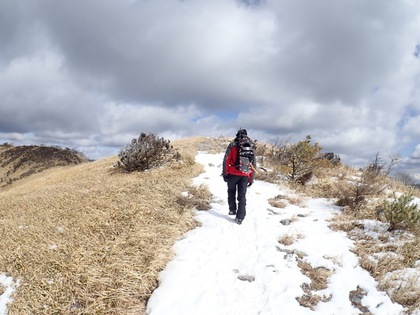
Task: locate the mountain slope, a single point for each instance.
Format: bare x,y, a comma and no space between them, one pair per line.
91,239
18,162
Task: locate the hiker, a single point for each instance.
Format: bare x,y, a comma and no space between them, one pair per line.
239,171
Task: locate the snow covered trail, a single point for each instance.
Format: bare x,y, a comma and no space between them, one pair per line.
225,268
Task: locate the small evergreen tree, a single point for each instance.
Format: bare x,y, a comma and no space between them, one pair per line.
301,160
401,211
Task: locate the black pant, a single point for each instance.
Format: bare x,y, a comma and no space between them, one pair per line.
240,182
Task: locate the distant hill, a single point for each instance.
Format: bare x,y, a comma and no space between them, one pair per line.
18,162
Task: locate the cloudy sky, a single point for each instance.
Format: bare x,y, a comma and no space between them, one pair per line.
93,74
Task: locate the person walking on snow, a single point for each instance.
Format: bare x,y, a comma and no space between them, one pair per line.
239,171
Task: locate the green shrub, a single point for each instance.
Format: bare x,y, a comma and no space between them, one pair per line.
301,160
401,211
148,151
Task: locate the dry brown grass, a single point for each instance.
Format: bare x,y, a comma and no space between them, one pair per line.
344,222
404,289
288,239
20,162
388,264
383,255
388,254
214,145
198,197
386,257
271,175
319,276
278,202
91,239
319,281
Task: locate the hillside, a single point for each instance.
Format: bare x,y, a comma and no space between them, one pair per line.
19,162
92,239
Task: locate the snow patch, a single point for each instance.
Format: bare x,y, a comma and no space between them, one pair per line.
7,287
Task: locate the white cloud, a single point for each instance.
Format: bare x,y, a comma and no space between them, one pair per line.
37,95
97,73
416,153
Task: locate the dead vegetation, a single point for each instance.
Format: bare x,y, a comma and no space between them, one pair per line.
318,281
356,296
18,162
318,277
278,202
391,257
214,145
391,260
287,240
92,239
281,201
146,152
197,197
368,199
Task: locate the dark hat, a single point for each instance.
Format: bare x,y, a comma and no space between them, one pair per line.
241,132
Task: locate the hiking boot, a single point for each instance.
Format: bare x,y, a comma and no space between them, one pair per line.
239,221
232,212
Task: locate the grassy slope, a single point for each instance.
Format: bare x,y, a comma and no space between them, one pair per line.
20,162
91,239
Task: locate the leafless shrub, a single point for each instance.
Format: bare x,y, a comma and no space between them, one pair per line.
271,176
146,152
276,150
405,179
380,166
261,152
372,181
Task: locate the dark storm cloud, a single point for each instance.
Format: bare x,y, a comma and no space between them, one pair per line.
37,96
97,72
340,51
168,51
